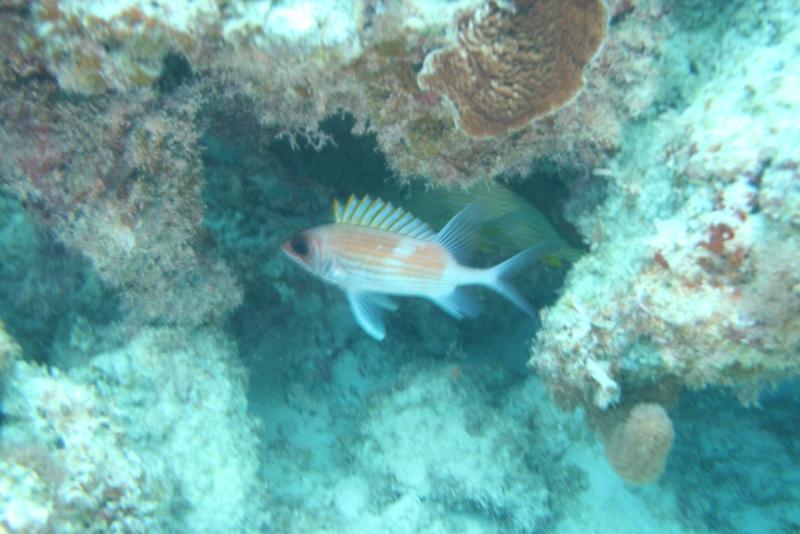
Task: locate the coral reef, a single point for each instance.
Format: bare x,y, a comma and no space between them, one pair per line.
103,449
294,64
381,440
180,399
691,278
65,465
166,149
93,47
48,290
516,62
456,472
116,176
619,87
421,139
119,181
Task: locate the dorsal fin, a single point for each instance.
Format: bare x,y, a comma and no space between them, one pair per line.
381,215
460,235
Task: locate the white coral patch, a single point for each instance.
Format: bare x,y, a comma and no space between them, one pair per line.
302,23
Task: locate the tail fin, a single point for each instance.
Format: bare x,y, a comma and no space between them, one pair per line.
499,275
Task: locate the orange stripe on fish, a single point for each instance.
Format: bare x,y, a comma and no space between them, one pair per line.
424,258
375,251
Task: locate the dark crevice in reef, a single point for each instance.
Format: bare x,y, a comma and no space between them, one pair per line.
348,164
260,190
175,72
549,187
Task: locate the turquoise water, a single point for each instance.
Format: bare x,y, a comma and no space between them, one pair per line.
164,367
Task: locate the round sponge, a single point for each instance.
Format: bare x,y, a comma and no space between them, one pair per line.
637,449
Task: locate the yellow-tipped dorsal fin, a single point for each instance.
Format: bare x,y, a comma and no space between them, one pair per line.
381,215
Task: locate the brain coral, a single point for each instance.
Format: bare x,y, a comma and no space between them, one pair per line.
514,63
637,449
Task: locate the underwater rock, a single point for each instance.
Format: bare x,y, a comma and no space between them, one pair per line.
691,274
10,351
152,437
119,180
298,62
65,465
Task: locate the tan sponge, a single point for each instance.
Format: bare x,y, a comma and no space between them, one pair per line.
637,449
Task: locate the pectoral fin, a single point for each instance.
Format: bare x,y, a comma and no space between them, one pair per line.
368,311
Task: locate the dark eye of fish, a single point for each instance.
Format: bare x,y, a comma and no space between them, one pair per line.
299,245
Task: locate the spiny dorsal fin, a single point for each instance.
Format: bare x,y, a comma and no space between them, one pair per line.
381,215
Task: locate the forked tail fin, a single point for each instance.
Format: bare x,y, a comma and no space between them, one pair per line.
498,277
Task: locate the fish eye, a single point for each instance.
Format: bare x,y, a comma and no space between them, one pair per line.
299,245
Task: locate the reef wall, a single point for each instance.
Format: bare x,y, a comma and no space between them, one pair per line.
690,279
389,64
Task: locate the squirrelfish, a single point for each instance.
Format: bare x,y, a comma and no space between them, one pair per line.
375,251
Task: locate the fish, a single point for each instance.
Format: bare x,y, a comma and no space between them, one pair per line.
375,251
511,223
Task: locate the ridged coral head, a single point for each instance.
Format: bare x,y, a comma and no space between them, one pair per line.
516,61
